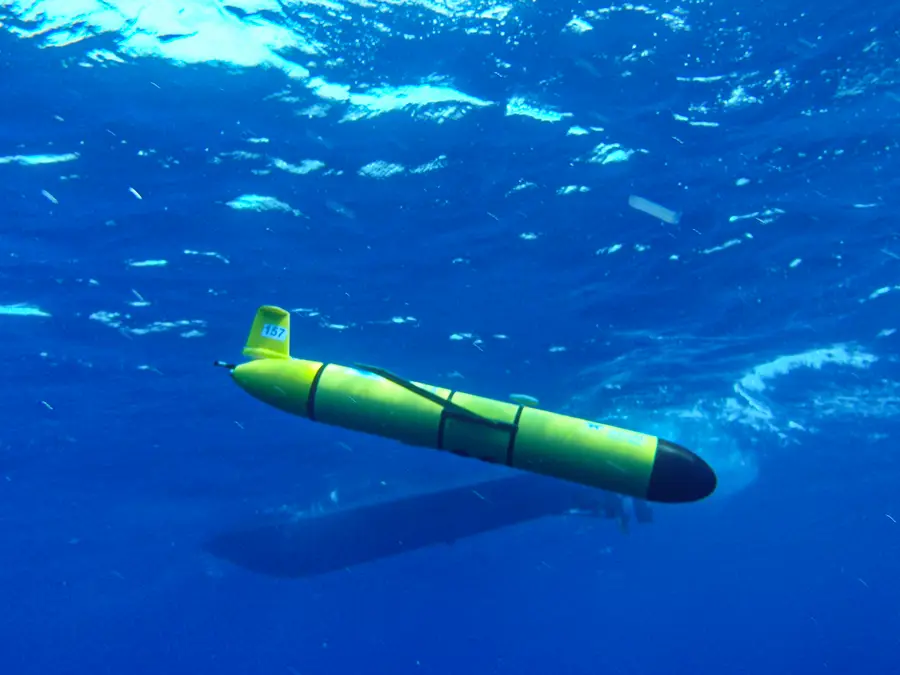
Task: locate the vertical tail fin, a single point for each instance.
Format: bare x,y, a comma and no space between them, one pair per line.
270,335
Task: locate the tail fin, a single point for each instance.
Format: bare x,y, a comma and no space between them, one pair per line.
270,335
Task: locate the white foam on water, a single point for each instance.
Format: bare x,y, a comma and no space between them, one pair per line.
22,309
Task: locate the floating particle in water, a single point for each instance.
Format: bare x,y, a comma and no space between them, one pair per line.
654,209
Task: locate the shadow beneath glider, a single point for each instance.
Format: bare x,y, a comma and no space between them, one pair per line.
354,536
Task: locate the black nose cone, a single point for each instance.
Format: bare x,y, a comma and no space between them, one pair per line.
679,475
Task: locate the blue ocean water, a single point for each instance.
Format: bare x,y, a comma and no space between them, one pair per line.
444,188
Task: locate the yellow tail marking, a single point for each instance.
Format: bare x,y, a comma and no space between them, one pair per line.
270,335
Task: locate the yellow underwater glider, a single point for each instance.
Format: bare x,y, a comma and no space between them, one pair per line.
375,401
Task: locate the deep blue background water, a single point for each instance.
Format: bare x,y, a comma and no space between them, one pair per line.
123,450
